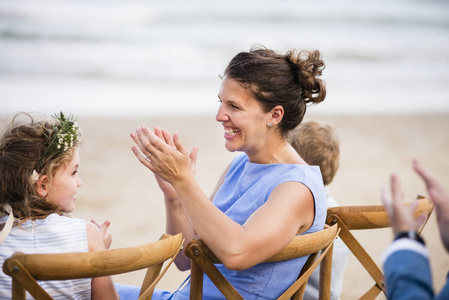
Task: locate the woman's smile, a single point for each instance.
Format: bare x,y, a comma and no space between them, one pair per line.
231,132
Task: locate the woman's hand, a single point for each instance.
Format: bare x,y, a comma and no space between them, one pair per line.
168,190
165,156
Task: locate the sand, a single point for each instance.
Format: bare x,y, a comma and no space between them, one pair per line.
118,188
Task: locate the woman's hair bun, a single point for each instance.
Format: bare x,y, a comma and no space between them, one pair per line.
308,65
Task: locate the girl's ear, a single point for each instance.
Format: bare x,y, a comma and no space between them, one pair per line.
42,186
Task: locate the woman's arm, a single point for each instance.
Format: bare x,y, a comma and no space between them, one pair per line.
289,208
176,218
102,287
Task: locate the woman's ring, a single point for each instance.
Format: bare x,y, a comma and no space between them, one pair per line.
149,155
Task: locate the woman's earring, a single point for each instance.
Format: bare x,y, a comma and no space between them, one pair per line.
270,124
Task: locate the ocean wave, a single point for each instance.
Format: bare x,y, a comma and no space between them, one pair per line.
105,51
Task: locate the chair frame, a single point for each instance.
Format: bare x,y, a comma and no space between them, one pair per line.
368,217
26,269
203,260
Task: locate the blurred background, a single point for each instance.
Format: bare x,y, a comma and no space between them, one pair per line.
120,64
140,58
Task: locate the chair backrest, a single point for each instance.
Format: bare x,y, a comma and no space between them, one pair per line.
368,217
203,261
26,269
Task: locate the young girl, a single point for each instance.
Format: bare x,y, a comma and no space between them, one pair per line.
39,178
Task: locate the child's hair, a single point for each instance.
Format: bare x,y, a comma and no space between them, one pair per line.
29,150
318,145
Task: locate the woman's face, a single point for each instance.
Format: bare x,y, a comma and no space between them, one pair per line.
244,121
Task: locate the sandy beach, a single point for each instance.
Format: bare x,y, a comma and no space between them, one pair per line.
118,188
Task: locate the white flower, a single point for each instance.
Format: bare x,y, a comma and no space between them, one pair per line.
34,176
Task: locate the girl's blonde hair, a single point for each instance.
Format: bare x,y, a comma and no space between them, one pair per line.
25,156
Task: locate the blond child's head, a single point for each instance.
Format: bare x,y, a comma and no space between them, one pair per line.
318,145
31,151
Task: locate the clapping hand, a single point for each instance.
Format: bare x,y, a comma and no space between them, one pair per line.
105,234
165,155
401,216
439,198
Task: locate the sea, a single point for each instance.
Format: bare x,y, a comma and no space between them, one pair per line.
98,58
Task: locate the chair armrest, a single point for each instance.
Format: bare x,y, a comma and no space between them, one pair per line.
306,244
301,245
94,263
370,216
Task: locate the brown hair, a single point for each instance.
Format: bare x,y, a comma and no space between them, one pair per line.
22,148
318,145
288,80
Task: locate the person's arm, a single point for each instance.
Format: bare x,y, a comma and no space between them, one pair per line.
102,287
407,271
289,208
177,221
405,261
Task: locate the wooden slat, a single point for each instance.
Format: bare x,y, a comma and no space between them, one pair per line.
372,293
326,275
150,275
198,255
17,290
196,281
306,274
22,278
309,263
360,253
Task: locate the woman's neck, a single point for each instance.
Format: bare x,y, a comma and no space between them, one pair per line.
272,153
277,157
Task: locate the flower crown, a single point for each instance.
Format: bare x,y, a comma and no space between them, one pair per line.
62,136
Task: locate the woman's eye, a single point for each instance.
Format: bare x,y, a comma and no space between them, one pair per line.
233,106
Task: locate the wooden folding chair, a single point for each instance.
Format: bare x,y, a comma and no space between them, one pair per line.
203,261
368,217
26,269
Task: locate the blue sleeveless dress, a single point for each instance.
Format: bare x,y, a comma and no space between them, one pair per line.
246,188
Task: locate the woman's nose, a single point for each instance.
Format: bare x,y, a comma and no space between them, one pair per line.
221,114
